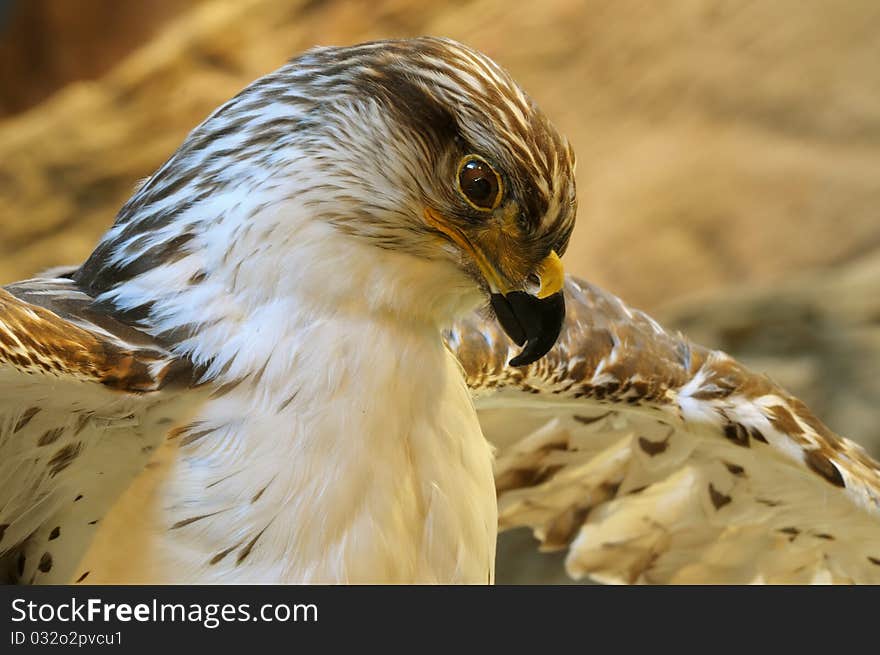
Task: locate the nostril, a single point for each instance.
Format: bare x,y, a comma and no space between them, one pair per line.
534,283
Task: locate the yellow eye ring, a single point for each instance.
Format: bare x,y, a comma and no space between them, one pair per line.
479,183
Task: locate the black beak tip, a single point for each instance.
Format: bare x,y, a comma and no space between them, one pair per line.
534,323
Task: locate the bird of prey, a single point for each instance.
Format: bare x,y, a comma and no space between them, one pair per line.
288,357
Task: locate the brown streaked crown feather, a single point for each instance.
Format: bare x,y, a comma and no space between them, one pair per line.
446,99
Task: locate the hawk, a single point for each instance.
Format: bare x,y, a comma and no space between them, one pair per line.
288,357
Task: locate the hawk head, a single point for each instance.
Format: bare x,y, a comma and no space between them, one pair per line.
421,146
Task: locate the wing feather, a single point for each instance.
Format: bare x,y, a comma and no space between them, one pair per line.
80,401
655,460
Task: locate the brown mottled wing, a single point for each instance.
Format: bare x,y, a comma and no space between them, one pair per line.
35,341
653,460
80,396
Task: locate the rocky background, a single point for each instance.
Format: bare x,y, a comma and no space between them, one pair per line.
728,151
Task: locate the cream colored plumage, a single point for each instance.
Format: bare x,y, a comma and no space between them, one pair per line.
278,366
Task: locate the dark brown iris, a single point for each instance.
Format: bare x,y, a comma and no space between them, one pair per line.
479,183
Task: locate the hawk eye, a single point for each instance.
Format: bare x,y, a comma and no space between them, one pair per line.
479,183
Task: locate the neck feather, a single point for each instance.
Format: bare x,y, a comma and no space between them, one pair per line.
228,304
339,442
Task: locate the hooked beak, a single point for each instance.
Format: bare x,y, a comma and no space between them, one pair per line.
534,322
531,321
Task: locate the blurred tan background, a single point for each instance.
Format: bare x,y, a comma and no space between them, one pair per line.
728,151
